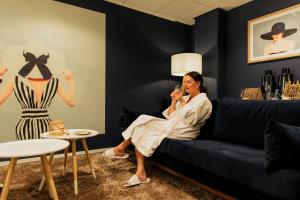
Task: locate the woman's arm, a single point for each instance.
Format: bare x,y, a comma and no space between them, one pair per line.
171,108
182,101
196,111
8,88
67,96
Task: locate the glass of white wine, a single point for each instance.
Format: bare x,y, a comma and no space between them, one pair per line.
179,88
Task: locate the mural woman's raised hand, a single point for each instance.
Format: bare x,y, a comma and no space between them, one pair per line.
3,71
68,95
68,74
8,89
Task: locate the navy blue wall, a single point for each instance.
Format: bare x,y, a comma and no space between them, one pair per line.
138,68
209,40
240,74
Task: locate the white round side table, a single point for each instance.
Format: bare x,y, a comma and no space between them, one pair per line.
72,137
29,148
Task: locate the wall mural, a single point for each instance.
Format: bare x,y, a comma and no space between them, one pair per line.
52,64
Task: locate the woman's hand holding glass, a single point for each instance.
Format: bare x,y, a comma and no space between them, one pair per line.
176,95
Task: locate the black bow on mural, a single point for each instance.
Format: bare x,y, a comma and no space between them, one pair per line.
40,62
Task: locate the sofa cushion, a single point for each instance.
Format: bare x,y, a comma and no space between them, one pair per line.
243,122
162,148
282,146
244,165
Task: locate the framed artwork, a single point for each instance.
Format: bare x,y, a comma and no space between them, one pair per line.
274,36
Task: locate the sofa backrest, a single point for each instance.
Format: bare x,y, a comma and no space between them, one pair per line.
207,130
244,121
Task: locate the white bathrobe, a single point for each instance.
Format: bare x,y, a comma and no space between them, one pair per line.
147,132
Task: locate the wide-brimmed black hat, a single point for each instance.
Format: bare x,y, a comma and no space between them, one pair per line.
277,28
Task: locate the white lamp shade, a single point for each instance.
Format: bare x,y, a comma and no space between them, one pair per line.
185,62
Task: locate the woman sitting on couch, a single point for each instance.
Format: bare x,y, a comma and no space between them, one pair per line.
184,117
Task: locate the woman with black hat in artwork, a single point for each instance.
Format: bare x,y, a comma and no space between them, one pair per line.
279,44
35,87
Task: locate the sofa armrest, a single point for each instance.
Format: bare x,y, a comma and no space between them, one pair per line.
124,119
119,123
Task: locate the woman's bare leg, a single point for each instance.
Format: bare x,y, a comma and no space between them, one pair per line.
120,149
140,171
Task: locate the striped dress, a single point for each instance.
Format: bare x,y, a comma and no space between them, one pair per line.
35,118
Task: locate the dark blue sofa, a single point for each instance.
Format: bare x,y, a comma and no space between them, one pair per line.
229,153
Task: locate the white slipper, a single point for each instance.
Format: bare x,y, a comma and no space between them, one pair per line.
110,154
134,180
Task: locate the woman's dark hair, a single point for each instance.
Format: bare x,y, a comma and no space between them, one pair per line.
198,77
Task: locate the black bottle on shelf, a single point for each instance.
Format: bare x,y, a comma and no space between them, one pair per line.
268,83
283,78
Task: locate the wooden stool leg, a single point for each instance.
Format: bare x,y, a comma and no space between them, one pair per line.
65,160
43,177
49,177
10,172
88,156
74,166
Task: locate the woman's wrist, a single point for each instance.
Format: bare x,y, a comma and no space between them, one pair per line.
173,102
181,100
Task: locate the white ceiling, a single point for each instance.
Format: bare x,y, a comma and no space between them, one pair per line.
183,11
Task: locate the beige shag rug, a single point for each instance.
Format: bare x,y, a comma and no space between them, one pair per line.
111,175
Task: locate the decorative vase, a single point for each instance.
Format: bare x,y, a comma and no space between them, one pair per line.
277,94
268,83
284,78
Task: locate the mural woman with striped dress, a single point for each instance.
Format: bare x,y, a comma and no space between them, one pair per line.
35,87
